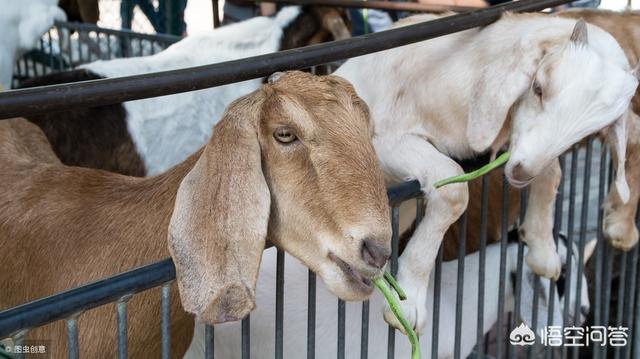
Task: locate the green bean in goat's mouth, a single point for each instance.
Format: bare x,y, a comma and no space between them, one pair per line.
395,308
502,159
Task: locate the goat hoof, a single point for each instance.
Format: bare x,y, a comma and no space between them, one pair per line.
544,261
416,315
619,231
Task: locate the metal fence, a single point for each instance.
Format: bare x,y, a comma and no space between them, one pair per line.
68,45
587,174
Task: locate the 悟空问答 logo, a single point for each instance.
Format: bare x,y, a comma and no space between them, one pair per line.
522,335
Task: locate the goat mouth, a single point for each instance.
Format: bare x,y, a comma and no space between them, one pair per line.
357,279
519,184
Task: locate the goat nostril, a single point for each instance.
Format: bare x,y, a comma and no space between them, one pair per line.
374,255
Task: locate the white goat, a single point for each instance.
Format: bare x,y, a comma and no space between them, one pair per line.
555,81
227,336
21,25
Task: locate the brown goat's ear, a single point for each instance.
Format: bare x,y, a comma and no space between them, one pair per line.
334,24
219,223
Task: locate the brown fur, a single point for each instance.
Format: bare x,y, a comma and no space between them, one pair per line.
94,137
316,24
81,10
66,226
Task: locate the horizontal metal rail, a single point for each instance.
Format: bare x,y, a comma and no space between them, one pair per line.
109,91
65,304
378,5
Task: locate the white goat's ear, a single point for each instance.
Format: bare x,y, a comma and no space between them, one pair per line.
528,288
497,88
580,35
219,223
589,249
617,138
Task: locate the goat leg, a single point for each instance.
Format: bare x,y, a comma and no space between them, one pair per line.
537,229
410,157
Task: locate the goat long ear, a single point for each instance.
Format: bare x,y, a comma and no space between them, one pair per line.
617,138
219,223
526,309
497,88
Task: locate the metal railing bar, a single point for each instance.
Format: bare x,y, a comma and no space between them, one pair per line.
122,327
311,316
629,298
209,342
570,237
364,331
78,26
584,218
114,90
484,209
437,288
279,304
166,320
462,237
393,268
597,305
504,227
622,280
72,338
557,225
65,304
341,329
245,341
379,5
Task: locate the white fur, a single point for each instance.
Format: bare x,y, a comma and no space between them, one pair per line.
21,25
167,129
227,336
449,97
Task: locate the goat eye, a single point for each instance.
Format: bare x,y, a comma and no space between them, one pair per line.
284,135
537,89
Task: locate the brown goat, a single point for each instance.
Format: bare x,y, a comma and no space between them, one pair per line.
291,163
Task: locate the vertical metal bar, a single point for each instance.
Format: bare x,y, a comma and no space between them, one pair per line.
279,303
484,209
635,334
629,298
557,224
584,218
503,266
597,305
437,281
341,329
462,237
620,302
122,326
364,331
517,305
216,14
166,320
395,214
535,314
610,253
209,344
72,338
311,316
570,233
246,337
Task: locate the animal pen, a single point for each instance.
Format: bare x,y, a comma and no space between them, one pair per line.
612,276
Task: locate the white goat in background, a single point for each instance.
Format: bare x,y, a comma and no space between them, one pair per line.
530,82
227,336
21,25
